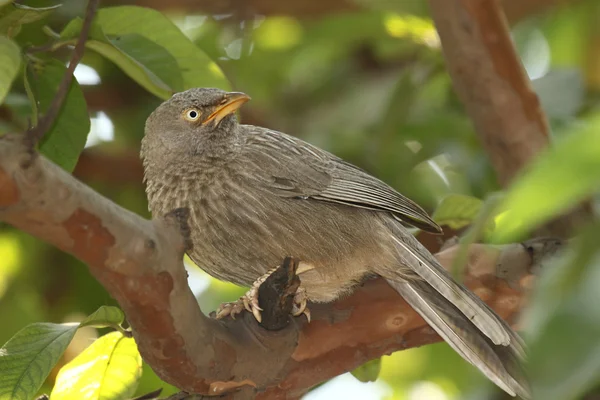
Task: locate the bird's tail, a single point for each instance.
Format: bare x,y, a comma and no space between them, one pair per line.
463,320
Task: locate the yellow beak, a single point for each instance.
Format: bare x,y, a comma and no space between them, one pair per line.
229,105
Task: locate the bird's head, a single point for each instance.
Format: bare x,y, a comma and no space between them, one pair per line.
194,121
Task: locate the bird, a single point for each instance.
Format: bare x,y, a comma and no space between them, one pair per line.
256,195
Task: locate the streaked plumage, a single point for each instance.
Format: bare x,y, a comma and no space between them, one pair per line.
258,195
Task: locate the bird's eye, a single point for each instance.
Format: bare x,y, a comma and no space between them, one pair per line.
192,114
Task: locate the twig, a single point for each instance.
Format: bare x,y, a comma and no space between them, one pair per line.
36,133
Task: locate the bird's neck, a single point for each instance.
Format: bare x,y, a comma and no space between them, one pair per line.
172,176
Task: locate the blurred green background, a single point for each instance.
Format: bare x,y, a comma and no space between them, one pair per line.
365,80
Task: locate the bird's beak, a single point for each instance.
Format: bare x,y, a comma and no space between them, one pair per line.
229,105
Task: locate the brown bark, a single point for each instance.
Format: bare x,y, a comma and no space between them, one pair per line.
139,262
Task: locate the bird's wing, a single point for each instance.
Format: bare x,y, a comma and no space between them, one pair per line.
324,177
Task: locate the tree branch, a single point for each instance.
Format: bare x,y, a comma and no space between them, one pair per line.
35,134
139,262
492,84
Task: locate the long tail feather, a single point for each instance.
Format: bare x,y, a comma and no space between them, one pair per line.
428,268
461,318
499,363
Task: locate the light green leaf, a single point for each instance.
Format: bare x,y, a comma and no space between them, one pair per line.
369,371
563,323
150,49
107,370
457,211
66,139
15,15
10,60
29,356
561,177
104,316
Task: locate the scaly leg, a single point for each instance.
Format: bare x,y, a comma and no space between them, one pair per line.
249,302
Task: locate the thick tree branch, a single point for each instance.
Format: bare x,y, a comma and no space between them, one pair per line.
139,262
492,84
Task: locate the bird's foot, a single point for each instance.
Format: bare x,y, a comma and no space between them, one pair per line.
299,306
249,302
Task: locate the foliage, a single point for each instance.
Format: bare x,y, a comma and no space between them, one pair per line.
378,96
66,139
29,356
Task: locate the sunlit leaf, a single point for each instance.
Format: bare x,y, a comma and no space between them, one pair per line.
14,15
66,139
561,177
11,259
104,316
369,371
10,59
107,370
457,211
150,49
563,323
29,356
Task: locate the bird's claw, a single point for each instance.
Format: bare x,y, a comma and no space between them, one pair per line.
249,302
299,306
230,309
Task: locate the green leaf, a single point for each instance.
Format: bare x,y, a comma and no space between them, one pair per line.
66,139
29,356
151,65
105,316
10,60
150,49
457,211
15,15
369,371
558,179
109,369
563,323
